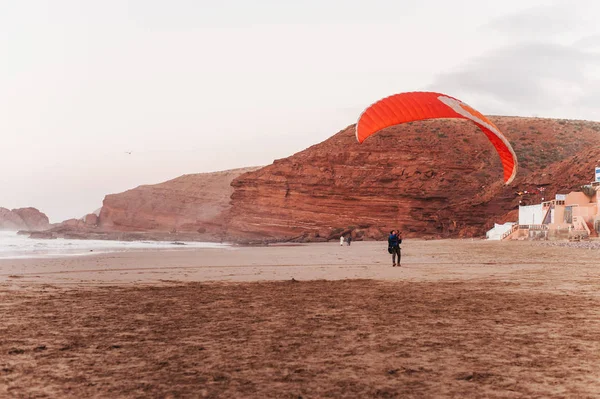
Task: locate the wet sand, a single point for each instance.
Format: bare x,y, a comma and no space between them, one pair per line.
460,318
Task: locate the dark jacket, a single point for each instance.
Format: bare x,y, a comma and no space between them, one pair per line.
394,240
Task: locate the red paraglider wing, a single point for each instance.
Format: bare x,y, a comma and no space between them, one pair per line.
417,106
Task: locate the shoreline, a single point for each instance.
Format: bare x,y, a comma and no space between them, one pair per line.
14,246
436,260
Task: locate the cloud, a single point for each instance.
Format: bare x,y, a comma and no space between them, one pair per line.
550,67
589,43
541,22
529,79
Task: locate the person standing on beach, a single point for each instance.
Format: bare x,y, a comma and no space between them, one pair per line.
342,241
394,241
349,239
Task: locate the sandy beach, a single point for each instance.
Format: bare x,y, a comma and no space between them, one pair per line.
460,318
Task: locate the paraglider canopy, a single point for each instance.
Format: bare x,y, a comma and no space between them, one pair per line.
417,106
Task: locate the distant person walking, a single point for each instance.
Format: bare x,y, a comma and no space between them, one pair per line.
394,241
349,239
341,240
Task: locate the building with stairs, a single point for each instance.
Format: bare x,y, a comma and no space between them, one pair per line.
571,216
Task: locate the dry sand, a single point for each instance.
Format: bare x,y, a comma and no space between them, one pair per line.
460,318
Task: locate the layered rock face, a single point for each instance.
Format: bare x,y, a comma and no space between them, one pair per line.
439,178
190,203
23,219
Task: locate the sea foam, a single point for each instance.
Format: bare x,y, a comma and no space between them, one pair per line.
14,246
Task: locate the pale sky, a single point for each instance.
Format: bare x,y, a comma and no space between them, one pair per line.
193,86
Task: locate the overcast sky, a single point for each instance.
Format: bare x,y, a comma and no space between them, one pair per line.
194,86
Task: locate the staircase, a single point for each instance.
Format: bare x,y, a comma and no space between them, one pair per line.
591,229
510,232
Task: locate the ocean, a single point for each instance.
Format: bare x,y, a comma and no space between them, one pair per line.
14,246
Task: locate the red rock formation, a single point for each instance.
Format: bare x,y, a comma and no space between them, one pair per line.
91,220
190,203
23,219
437,178
10,220
564,176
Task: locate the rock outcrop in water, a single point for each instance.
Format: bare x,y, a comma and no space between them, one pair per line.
23,219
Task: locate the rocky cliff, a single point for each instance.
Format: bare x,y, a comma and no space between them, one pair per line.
23,219
190,203
439,178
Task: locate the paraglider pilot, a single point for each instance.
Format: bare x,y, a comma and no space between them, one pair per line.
394,241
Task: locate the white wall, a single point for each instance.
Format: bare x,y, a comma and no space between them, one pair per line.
531,214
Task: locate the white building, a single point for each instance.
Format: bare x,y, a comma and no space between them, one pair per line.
497,233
